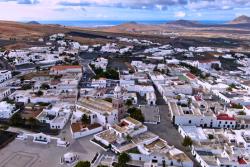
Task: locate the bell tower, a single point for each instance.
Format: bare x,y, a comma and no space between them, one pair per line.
118,103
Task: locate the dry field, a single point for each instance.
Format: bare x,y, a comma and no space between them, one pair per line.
15,35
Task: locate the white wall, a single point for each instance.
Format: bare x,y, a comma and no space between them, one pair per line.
77,135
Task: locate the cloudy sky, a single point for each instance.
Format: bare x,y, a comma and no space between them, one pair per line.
24,10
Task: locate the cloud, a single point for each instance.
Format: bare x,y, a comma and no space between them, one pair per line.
217,4
70,8
199,14
121,9
22,1
133,4
180,14
147,4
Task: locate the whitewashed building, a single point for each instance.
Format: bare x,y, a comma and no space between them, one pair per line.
7,110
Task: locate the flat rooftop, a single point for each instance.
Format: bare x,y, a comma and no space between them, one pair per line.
196,133
98,105
144,137
107,135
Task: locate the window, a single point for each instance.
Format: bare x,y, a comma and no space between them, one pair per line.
226,122
190,121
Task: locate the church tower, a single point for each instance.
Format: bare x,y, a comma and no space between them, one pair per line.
118,103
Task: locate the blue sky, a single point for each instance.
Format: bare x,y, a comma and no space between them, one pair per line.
24,10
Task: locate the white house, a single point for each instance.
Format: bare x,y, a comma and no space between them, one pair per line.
100,111
151,98
4,92
41,138
7,110
207,64
64,69
5,75
79,130
101,63
57,116
194,116
99,83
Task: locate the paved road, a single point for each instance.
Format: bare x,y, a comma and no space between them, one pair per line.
166,129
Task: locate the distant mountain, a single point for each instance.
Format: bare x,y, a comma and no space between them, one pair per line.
186,23
33,22
131,22
241,20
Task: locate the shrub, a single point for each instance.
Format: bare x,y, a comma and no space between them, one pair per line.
187,141
83,164
136,114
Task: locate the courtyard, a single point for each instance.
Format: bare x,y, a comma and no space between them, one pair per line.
25,153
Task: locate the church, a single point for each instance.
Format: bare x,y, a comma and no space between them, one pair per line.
100,111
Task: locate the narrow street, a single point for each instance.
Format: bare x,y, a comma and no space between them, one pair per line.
167,131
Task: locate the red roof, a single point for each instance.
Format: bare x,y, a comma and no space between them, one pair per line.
190,75
242,161
198,97
225,117
60,68
248,107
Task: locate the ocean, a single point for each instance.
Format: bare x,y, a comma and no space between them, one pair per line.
106,23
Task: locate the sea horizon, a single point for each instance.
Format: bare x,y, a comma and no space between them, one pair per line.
109,23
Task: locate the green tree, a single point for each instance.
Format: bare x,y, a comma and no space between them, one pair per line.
32,122
83,164
229,89
8,100
17,120
129,102
45,86
242,113
39,93
178,97
187,141
136,114
129,138
237,106
233,86
123,159
210,136
108,99
86,119
112,74
26,87
216,66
